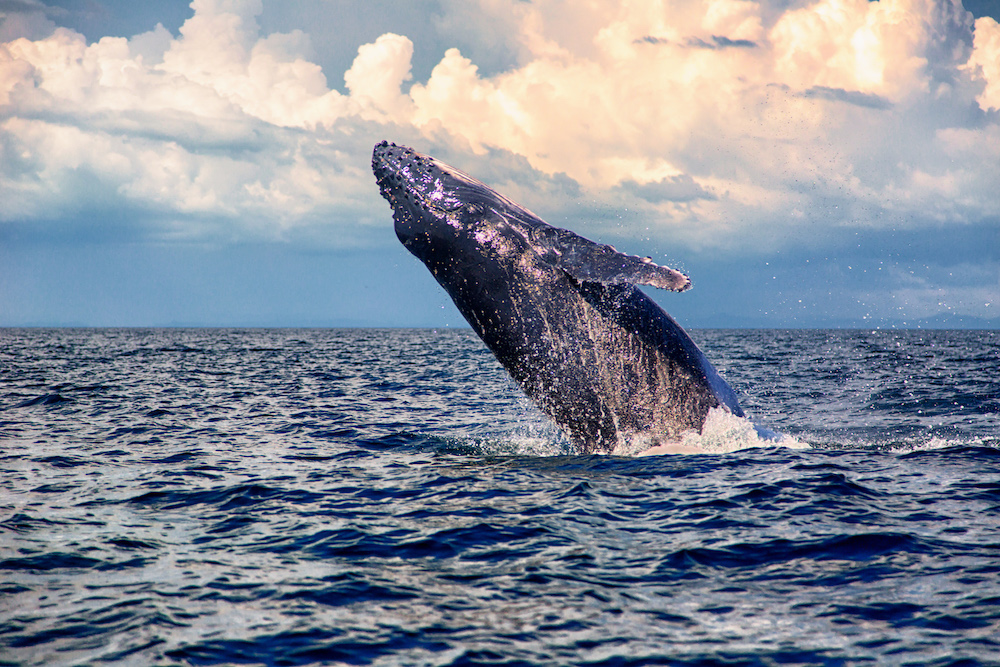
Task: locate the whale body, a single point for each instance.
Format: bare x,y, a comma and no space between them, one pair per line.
561,313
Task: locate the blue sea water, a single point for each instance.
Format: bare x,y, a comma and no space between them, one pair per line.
388,497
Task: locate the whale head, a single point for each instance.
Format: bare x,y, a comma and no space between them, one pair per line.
436,207
442,214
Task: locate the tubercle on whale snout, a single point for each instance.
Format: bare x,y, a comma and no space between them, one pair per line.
389,160
404,175
390,182
385,151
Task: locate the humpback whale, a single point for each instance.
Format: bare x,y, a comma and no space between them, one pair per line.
561,313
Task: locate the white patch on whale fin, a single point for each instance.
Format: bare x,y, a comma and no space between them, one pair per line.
588,261
722,433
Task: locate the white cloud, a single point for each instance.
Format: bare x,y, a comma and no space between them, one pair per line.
872,47
26,18
190,130
985,61
843,95
714,121
375,79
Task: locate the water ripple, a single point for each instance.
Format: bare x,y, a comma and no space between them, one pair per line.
207,497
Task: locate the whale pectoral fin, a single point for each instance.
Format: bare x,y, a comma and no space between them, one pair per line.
585,260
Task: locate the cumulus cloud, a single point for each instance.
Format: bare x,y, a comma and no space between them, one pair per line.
985,61
213,125
712,120
26,18
780,113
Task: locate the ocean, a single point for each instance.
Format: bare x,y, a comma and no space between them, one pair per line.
388,497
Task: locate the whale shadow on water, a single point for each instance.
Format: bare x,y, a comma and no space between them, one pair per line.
565,317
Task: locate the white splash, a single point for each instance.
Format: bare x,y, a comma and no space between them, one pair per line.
723,432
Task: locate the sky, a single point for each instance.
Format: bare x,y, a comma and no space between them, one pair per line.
830,163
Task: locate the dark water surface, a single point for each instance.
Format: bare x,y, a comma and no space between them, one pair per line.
386,497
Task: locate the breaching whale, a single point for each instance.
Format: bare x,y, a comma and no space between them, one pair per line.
561,313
